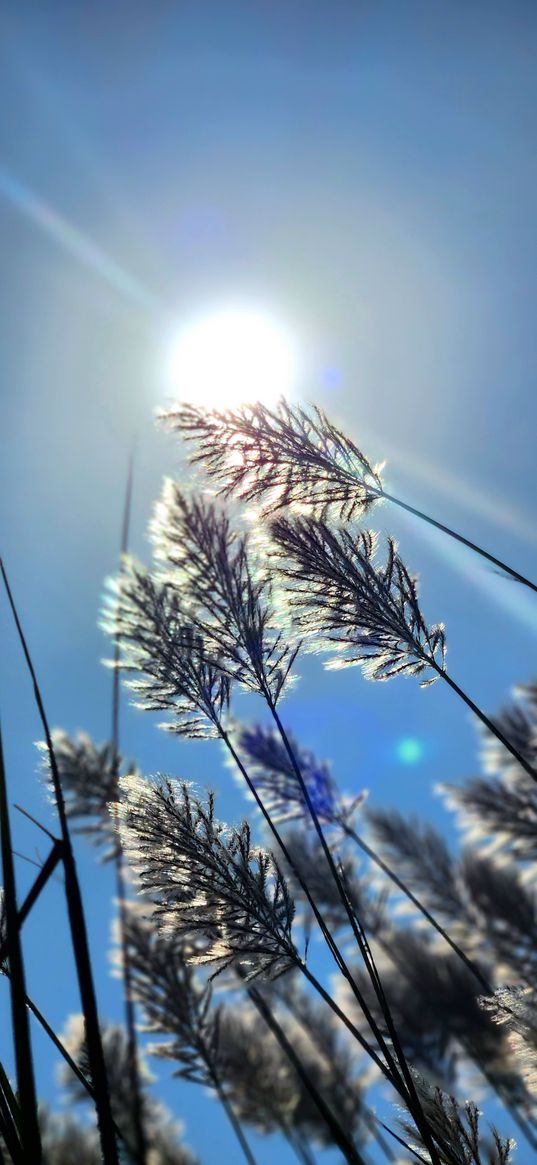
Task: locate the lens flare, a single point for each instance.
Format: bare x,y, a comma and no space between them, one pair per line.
409,750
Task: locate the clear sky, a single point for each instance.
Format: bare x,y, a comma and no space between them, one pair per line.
367,171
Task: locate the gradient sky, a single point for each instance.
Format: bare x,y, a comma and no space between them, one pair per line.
367,171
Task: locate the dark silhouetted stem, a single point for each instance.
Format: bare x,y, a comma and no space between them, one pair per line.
10,1120
235,1124
46,871
410,1094
460,538
350,1152
130,1013
77,923
299,1147
489,724
386,869
31,1138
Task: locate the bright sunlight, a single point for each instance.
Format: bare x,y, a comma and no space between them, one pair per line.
232,356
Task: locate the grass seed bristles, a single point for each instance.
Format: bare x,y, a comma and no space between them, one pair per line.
161,644
286,456
208,564
226,591
341,598
295,457
241,907
274,776
179,677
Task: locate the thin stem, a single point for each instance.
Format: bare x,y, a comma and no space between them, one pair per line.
349,1025
402,1142
49,1031
373,1123
10,1122
392,1075
31,1138
299,1146
45,872
489,724
460,538
349,1150
411,1097
386,869
234,1122
77,923
130,1011
368,1116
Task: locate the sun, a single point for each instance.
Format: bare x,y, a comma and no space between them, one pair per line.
232,356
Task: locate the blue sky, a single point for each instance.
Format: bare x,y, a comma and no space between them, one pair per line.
368,172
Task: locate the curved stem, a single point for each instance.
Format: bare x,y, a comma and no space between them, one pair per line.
460,538
299,1147
61,1049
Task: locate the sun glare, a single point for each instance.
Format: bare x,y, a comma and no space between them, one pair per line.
232,357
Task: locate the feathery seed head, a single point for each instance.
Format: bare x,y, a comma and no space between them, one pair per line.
206,879
221,582
286,456
341,599
89,779
273,775
178,674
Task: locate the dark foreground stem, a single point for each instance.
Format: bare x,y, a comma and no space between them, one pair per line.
386,869
77,923
460,538
49,1031
31,1138
489,724
299,1147
350,1152
235,1124
409,1093
390,1073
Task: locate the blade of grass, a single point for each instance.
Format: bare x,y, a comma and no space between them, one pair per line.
31,1139
489,724
77,921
